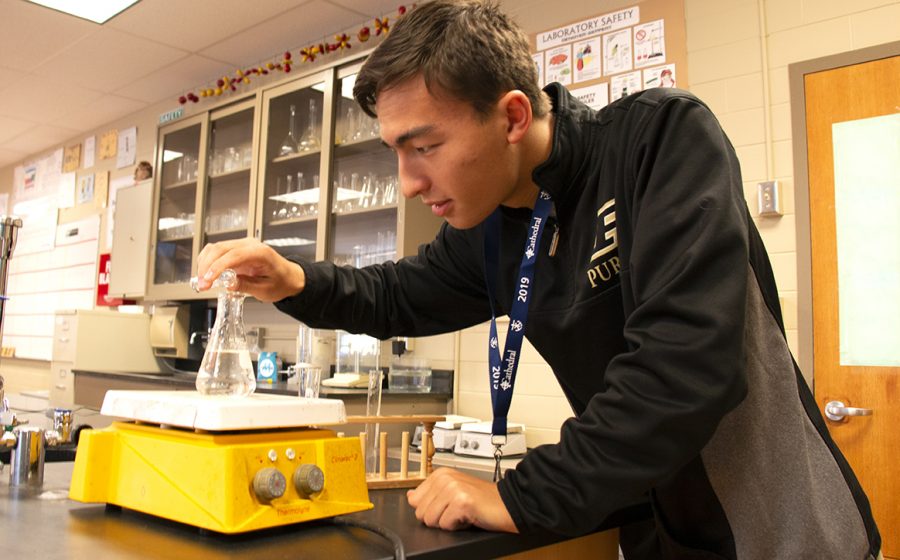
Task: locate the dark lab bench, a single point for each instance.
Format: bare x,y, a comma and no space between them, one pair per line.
45,524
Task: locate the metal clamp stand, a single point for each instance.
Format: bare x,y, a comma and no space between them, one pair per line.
9,231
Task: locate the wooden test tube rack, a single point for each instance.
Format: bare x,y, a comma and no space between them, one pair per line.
402,478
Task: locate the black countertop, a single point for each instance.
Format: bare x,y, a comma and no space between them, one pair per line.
45,524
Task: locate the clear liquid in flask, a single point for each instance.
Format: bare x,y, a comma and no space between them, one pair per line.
226,369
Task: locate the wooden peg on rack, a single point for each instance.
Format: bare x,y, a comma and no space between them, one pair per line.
402,479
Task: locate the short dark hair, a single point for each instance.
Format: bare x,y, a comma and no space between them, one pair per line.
469,49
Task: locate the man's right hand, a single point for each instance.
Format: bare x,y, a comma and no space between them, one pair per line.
262,272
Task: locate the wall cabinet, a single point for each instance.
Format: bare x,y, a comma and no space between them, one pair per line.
297,165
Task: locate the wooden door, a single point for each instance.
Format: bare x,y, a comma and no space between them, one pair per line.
835,99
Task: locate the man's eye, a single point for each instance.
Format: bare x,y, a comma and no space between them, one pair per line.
424,149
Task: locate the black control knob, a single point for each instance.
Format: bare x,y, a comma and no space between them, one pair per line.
269,483
308,480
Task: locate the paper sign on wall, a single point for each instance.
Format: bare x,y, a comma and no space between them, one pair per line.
85,189
559,64
72,158
649,44
89,146
108,142
127,145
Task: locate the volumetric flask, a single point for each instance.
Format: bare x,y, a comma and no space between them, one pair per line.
227,369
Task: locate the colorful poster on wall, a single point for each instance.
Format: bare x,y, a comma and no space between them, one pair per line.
649,44
71,158
626,84
85,189
108,142
596,97
539,66
660,76
559,64
587,60
617,52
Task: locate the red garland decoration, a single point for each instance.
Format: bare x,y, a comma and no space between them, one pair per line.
308,54
382,26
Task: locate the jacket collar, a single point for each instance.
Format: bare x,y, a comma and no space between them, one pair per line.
568,154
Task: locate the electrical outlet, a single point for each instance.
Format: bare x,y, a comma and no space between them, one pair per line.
769,198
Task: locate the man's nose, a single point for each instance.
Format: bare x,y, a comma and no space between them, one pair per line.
412,181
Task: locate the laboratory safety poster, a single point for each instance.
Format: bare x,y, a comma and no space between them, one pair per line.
604,57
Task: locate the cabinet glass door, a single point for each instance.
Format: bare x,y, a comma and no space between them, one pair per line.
230,158
364,184
290,205
177,206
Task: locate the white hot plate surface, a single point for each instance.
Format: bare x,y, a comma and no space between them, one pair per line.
190,409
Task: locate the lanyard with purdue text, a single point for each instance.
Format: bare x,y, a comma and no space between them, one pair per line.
503,369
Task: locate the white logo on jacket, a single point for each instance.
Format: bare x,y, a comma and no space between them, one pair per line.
604,266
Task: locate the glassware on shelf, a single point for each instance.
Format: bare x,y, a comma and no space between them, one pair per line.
352,125
289,144
276,204
226,369
284,212
310,140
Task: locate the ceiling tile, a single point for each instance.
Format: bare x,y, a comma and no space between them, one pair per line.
105,109
197,24
40,138
373,8
43,99
267,41
30,34
173,80
10,127
88,63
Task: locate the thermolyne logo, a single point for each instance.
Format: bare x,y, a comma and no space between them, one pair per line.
605,242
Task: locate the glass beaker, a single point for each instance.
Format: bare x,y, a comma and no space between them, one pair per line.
226,369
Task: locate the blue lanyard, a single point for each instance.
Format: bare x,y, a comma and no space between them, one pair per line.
503,370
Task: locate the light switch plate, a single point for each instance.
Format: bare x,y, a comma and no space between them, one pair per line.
769,197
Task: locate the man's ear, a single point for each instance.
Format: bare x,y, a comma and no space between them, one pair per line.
516,107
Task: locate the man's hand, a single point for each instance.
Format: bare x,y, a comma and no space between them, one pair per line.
262,272
452,500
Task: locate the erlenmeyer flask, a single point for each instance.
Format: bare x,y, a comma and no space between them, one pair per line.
226,369
289,144
310,140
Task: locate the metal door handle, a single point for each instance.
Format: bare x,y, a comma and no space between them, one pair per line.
837,411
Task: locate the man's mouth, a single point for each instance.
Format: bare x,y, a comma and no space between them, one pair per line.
439,208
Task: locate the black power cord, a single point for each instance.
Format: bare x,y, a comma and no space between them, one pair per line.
399,550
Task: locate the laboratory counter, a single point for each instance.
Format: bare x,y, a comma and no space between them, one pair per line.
45,524
91,386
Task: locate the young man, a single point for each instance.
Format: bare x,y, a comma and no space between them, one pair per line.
651,298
